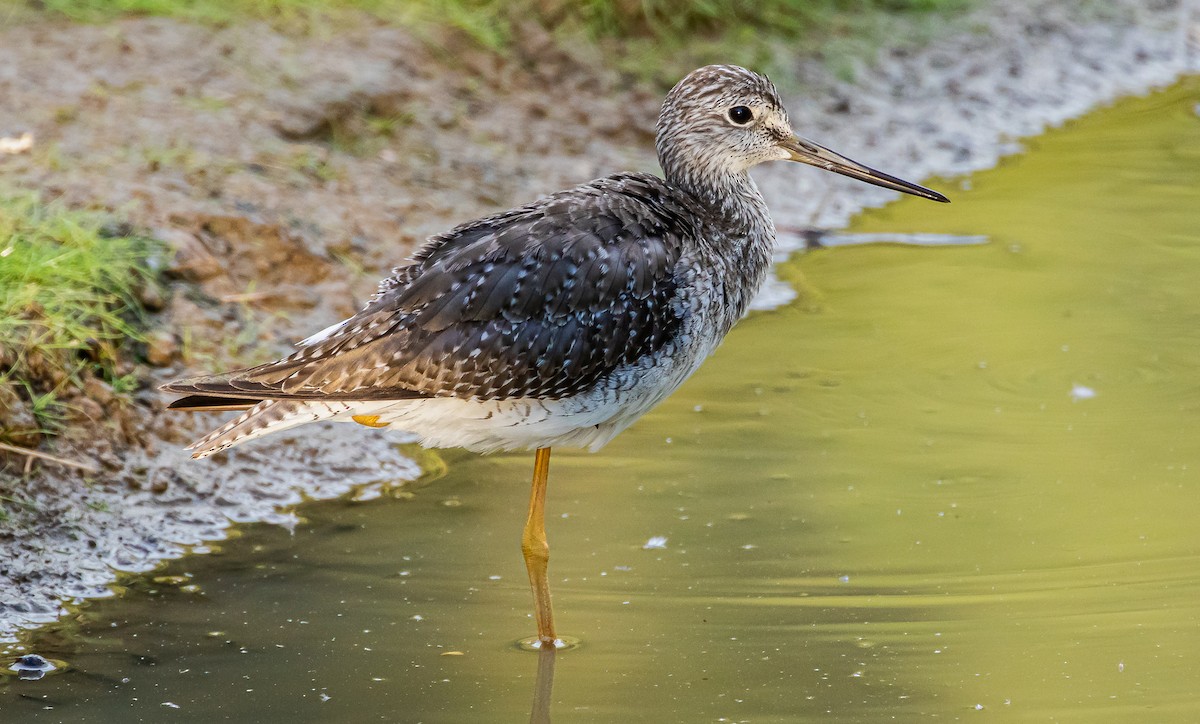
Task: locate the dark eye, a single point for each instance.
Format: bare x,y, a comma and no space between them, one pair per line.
741,115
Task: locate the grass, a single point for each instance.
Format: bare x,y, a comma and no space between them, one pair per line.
69,305
657,39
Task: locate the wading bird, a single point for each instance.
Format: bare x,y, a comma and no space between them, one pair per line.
559,322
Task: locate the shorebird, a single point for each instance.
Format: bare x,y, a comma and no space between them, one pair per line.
555,323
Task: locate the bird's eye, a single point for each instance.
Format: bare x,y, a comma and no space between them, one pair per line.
741,115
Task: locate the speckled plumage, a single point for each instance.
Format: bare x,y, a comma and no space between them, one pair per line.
555,323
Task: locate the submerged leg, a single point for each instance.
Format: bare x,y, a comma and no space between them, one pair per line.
536,550
543,688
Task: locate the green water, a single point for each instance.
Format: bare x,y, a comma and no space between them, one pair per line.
882,502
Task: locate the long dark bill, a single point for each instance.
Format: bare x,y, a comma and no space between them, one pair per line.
806,151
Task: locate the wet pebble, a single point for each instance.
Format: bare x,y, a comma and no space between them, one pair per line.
192,260
152,298
88,409
32,667
20,425
162,348
98,390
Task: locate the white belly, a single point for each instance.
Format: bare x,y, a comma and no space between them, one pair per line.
587,420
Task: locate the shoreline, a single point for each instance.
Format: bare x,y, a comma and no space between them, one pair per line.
945,111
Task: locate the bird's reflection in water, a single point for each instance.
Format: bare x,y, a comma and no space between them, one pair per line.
543,687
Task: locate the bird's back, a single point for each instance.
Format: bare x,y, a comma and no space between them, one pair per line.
541,301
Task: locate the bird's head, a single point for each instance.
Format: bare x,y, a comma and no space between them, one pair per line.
723,120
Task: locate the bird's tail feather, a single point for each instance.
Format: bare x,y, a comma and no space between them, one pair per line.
266,417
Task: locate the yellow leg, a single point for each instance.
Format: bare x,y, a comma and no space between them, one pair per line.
369,420
537,551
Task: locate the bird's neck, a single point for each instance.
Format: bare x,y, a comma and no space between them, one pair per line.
744,237
732,199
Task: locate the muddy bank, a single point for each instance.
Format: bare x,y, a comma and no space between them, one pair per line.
291,173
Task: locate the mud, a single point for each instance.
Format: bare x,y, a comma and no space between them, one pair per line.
290,173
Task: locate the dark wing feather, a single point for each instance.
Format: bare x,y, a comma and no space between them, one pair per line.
206,403
541,301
